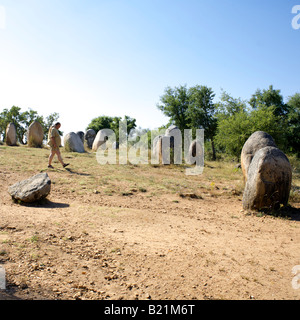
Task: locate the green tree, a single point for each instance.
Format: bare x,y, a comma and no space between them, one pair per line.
201,112
15,116
233,131
106,122
228,106
22,121
269,98
292,130
99,123
174,104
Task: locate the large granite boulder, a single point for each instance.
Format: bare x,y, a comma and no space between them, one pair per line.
11,135
171,130
32,189
269,180
100,139
81,135
35,135
73,143
89,137
256,141
156,146
174,133
196,154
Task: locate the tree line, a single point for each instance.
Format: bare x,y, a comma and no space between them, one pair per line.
22,120
229,122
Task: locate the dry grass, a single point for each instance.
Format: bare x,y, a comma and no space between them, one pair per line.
86,176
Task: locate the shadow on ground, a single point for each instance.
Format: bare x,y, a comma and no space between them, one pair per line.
47,204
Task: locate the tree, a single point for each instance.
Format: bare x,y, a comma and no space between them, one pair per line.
228,106
233,131
269,98
99,123
106,122
201,112
22,121
12,116
292,130
174,104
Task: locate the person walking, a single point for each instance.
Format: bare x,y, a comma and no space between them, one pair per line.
54,141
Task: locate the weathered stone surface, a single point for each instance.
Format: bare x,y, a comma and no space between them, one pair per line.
269,180
170,131
89,137
35,135
256,141
163,150
175,135
196,153
80,135
73,143
100,139
11,135
32,189
156,146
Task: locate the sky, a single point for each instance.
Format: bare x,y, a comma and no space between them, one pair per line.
87,58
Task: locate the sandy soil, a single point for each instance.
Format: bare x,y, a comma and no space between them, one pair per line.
98,246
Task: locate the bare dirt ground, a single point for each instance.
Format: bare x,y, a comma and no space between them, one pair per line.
140,232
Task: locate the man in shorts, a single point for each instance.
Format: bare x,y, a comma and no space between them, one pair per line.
54,141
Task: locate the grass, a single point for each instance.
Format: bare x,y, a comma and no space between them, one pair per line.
85,175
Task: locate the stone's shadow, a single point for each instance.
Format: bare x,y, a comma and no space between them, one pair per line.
5,296
289,212
294,213
46,204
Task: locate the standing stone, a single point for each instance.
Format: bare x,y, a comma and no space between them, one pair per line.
32,189
89,137
35,135
269,180
11,135
100,139
257,141
80,135
156,147
163,149
174,133
73,143
170,130
196,154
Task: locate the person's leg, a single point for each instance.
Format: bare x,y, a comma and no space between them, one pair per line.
60,159
52,154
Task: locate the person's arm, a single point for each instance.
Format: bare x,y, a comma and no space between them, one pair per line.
53,136
53,141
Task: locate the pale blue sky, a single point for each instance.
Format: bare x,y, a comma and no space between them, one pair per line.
89,58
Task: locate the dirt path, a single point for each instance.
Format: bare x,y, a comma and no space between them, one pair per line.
136,247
